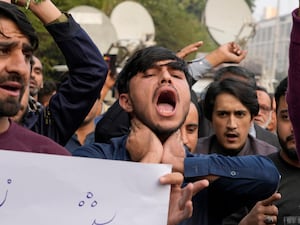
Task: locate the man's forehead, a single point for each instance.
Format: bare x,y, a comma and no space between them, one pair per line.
163,62
172,64
9,29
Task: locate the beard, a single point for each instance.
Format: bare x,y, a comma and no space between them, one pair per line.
9,107
290,152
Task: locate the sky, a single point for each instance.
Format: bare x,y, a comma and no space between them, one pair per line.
286,6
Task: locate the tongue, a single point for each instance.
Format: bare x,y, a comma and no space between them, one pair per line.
164,107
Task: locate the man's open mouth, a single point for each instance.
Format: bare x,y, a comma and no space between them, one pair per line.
166,101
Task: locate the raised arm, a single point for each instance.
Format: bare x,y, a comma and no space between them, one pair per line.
227,53
87,73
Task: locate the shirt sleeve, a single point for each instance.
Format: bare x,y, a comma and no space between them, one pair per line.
242,181
78,92
198,67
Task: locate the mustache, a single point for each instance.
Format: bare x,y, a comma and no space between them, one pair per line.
12,77
290,138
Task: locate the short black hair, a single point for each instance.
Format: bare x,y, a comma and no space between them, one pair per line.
281,90
13,13
239,89
236,71
143,60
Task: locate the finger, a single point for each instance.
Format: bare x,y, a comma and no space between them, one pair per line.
271,199
187,194
200,185
171,178
188,209
270,219
195,45
189,49
242,54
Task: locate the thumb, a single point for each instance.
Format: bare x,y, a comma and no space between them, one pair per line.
271,199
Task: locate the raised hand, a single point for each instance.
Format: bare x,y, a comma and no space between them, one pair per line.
189,49
180,206
227,53
264,212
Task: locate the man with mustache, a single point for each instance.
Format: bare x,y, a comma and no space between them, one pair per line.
78,92
18,41
154,89
36,78
231,105
264,115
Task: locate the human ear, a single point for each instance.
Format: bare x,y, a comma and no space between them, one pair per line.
125,102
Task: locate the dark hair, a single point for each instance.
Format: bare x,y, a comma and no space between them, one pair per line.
236,71
239,89
281,90
49,87
143,60
12,12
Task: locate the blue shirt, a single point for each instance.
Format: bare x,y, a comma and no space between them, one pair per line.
74,143
243,180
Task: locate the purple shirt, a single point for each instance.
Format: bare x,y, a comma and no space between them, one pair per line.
293,91
18,138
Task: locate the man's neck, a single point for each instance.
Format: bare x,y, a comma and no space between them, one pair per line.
4,124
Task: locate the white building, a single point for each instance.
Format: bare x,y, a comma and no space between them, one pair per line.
268,50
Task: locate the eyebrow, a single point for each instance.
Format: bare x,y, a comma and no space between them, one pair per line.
11,44
284,111
27,47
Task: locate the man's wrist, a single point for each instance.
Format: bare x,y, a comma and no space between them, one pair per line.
46,11
62,19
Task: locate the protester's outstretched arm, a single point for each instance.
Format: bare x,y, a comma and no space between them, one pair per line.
227,53
180,205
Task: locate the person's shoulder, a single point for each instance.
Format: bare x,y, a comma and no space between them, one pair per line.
115,149
203,144
266,136
36,142
263,147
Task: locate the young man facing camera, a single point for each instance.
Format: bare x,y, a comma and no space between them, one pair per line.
231,105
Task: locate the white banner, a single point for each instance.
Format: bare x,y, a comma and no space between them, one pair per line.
42,189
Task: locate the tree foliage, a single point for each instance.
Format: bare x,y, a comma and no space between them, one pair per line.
177,23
